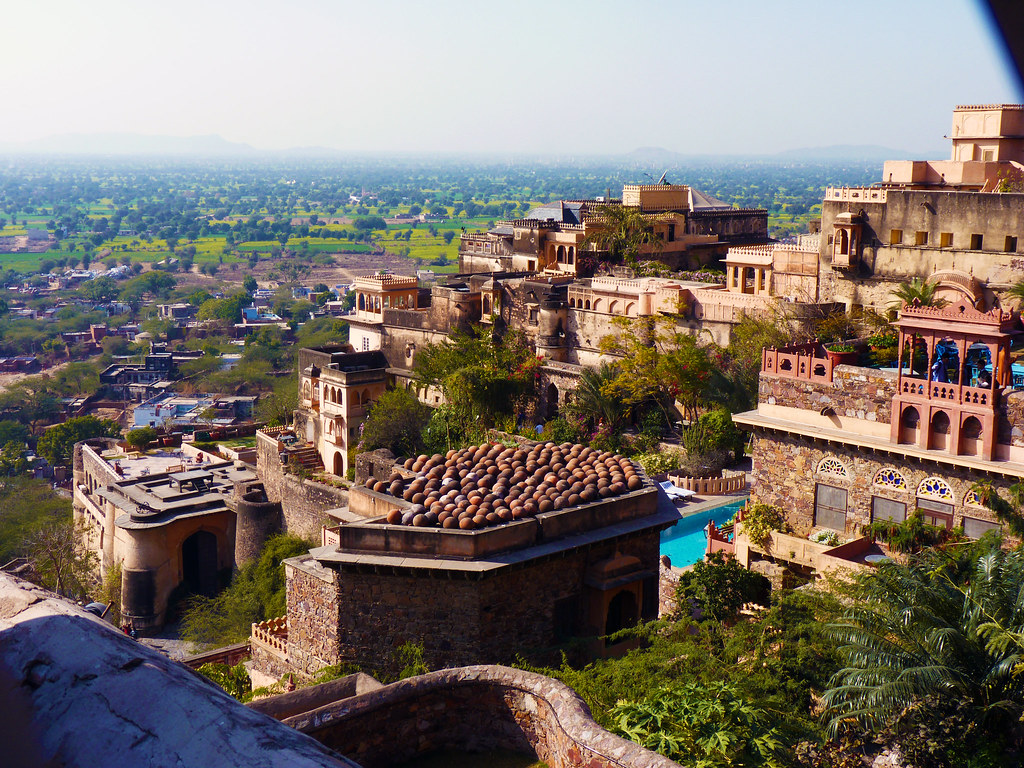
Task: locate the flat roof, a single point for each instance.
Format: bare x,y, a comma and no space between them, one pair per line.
758,420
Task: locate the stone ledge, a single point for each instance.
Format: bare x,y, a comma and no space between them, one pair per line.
555,723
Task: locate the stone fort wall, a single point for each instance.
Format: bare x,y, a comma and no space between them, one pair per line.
472,709
303,502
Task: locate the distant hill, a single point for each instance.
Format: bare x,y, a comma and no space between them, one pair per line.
128,144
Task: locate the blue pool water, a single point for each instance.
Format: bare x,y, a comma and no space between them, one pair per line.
685,542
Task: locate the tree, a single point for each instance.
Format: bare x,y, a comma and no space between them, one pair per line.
621,232
922,291
721,586
249,285
482,378
12,431
61,561
101,289
140,437
58,442
396,421
932,631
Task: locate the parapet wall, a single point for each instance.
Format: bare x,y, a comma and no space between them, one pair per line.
862,393
472,708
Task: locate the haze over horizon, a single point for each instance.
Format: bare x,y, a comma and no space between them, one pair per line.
740,78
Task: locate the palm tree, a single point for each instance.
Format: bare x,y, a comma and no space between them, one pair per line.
1016,291
621,231
920,290
928,632
594,399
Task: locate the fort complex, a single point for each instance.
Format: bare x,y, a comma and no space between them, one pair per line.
836,445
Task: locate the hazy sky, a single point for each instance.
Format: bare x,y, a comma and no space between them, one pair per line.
725,76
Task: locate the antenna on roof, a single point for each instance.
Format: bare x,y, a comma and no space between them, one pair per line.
659,181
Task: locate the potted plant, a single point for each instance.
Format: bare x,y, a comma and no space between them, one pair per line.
842,353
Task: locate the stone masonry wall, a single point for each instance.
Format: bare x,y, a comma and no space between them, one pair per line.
785,472
303,502
458,620
472,709
862,393
312,595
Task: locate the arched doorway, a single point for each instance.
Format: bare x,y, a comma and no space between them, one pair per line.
199,563
339,464
552,401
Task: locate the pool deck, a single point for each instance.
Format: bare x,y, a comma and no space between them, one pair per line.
702,503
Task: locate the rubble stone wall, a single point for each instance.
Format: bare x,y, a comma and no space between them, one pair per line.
303,502
855,392
472,709
785,473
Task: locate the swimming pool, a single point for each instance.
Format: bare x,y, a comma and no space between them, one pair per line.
685,542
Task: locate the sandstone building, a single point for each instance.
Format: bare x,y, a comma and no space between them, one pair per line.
839,446
169,525
582,570
945,219
692,229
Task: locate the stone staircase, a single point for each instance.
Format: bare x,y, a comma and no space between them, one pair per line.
307,456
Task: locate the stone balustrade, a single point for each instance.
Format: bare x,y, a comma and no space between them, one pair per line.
711,486
272,633
799,361
856,194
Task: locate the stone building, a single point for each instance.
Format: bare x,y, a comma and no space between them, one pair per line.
946,219
692,229
169,525
468,596
839,446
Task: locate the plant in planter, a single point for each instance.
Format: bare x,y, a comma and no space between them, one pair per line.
887,337
911,535
842,353
759,520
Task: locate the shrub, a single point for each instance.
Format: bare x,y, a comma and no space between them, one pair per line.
658,463
759,520
141,437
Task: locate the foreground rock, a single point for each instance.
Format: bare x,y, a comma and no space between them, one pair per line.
76,692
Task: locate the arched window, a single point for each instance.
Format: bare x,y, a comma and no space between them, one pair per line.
586,304
362,302
571,255
560,254
888,477
613,307
597,304
487,305
972,499
935,488
631,309
833,467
